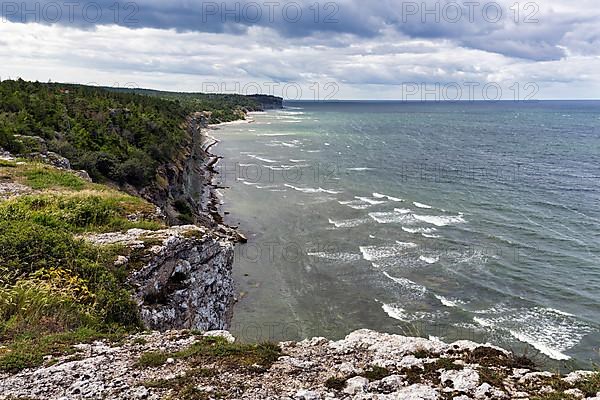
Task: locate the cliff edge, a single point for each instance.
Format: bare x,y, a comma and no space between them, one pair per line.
364,365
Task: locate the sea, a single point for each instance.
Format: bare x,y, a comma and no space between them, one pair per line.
450,221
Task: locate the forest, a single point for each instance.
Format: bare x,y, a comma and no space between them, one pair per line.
119,135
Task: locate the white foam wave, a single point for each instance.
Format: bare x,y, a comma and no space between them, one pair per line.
369,200
375,253
446,302
483,322
344,257
440,220
348,223
267,187
292,112
566,314
421,205
429,236
275,134
284,167
359,169
296,161
311,190
262,159
542,347
408,284
398,216
548,330
429,260
355,204
395,312
385,196
418,230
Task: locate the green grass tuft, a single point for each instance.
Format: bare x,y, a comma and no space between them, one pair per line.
28,351
152,359
46,177
376,373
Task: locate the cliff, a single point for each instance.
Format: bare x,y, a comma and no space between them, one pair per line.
364,365
180,276
176,277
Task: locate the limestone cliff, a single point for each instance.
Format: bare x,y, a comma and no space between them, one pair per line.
181,276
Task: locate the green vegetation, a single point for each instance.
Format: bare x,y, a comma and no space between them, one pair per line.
57,289
152,359
491,376
589,386
45,178
118,135
375,373
216,349
209,350
29,351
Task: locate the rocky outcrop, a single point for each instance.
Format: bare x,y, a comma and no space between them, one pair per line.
364,365
181,276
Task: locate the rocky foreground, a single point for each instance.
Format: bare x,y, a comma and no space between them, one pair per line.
364,365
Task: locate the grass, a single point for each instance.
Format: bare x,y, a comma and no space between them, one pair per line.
216,351
8,164
40,176
490,357
375,373
152,359
590,386
87,211
492,376
44,177
447,364
182,380
27,351
255,357
53,283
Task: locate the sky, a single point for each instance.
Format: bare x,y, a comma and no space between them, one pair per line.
329,50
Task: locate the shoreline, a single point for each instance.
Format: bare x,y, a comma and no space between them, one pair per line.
217,213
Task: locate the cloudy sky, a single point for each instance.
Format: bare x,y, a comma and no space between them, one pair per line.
344,49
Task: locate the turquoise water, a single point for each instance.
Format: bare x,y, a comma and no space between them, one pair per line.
472,220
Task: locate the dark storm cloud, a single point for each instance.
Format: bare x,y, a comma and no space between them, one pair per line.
531,33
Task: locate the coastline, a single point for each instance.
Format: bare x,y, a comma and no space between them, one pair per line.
217,212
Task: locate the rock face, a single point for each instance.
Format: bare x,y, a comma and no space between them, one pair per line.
182,277
312,369
184,190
